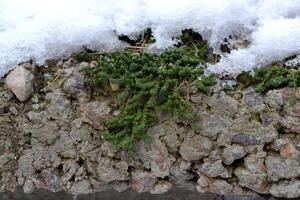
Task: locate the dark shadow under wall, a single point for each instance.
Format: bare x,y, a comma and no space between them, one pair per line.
174,194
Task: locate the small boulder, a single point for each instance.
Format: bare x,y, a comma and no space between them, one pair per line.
28,186
195,147
256,182
286,189
214,169
279,168
142,181
82,187
19,81
232,153
161,187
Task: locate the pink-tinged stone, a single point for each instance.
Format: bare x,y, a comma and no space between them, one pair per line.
142,181
19,81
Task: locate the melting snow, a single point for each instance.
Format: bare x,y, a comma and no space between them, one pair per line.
42,29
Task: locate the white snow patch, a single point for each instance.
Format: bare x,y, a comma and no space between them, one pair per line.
44,29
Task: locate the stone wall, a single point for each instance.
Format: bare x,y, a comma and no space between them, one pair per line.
244,143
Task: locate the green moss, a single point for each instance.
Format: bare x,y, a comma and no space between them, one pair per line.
149,84
271,77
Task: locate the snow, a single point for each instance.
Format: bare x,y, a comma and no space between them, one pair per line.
43,29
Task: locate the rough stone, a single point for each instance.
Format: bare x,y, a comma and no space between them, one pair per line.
195,147
161,187
169,134
14,110
108,170
253,133
82,187
155,156
142,181
28,186
223,104
290,124
253,99
47,133
220,187
286,189
255,164
217,186
232,153
279,168
74,83
274,99
58,108
19,81
212,125
120,186
256,182
277,144
96,112
181,176
289,151
52,180
245,139
214,169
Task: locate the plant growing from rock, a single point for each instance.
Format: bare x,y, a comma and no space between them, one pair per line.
271,77
147,84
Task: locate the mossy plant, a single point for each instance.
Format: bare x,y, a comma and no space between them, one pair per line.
271,77
148,84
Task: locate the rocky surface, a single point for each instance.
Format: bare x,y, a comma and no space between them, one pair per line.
50,139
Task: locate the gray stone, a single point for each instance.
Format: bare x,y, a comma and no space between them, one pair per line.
155,155
223,104
217,186
290,124
253,133
286,189
169,134
51,178
215,155
109,170
7,161
214,169
203,183
142,181
161,187
279,168
253,99
120,186
58,108
256,182
19,81
220,187
212,125
195,147
82,187
96,112
14,110
47,133
255,164
245,139
74,83
232,153
181,176
274,99
28,186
